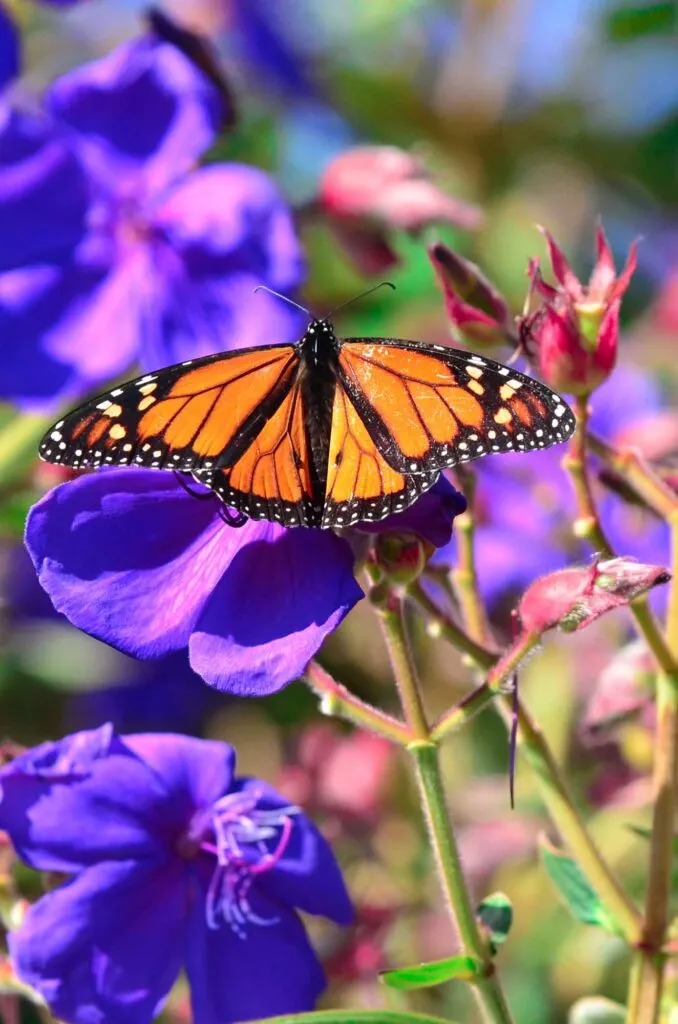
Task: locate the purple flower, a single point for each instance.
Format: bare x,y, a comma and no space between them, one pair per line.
526,505
118,250
128,556
162,695
175,863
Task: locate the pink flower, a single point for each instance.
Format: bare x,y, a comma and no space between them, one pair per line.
370,191
572,338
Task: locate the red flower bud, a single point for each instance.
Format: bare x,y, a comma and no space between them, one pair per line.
371,190
478,313
573,598
572,337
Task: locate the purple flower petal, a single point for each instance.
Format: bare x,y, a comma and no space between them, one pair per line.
62,816
128,556
272,970
306,876
195,773
431,516
218,236
284,592
48,318
142,113
44,195
108,945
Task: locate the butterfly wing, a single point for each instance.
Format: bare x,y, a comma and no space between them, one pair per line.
428,407
194,415
273,478
361,485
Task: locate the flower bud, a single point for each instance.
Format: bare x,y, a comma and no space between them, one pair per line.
624,688
571,599
572,338
402,557
478,313
369,191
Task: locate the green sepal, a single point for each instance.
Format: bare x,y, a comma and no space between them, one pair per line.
461,968
574,888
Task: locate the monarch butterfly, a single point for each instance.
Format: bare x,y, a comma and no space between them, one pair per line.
327,432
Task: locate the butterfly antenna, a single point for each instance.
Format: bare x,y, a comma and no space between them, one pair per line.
374,288
265,288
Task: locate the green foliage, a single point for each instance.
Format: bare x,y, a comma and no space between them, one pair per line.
461,968
574,888
637,21
354,1017
596,1010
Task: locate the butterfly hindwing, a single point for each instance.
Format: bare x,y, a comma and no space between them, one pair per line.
193,415
428,407
361,485
273,478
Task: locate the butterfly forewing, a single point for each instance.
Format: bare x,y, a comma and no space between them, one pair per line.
194,415
428,407
273,478
360,483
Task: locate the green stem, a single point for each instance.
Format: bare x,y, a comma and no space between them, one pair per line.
464,575
487,989
446,627
336,699
450,872
554,789
647,978
630,465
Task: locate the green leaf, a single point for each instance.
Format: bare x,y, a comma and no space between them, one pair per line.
646,833
637,21
574,888
596,1010
353,1017
464,968
496,913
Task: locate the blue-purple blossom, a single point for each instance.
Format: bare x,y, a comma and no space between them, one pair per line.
526,504
175,863
117,250
131,558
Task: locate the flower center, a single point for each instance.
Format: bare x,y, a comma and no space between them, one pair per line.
247,841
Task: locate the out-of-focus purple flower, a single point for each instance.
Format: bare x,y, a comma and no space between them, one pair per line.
265,34
162,695
9,48
573,337
368,192
525,503
131,558
117,249
176,863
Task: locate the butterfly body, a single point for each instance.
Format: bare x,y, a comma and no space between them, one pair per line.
324,433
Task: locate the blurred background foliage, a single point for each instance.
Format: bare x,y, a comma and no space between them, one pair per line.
553,112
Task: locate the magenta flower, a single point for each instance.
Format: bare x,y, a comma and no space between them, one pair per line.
175,863
131,558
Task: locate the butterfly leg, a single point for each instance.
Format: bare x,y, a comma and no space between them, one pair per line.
201,495
232,517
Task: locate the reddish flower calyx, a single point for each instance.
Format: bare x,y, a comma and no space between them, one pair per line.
478,313
572,338
571,599
369,191
402,557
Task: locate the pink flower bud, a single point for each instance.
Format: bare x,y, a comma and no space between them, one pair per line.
572,338
478,313
571,599
371,190
624,688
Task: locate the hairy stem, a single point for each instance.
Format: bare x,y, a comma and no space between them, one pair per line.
464,575
336,699
423,750
647,977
